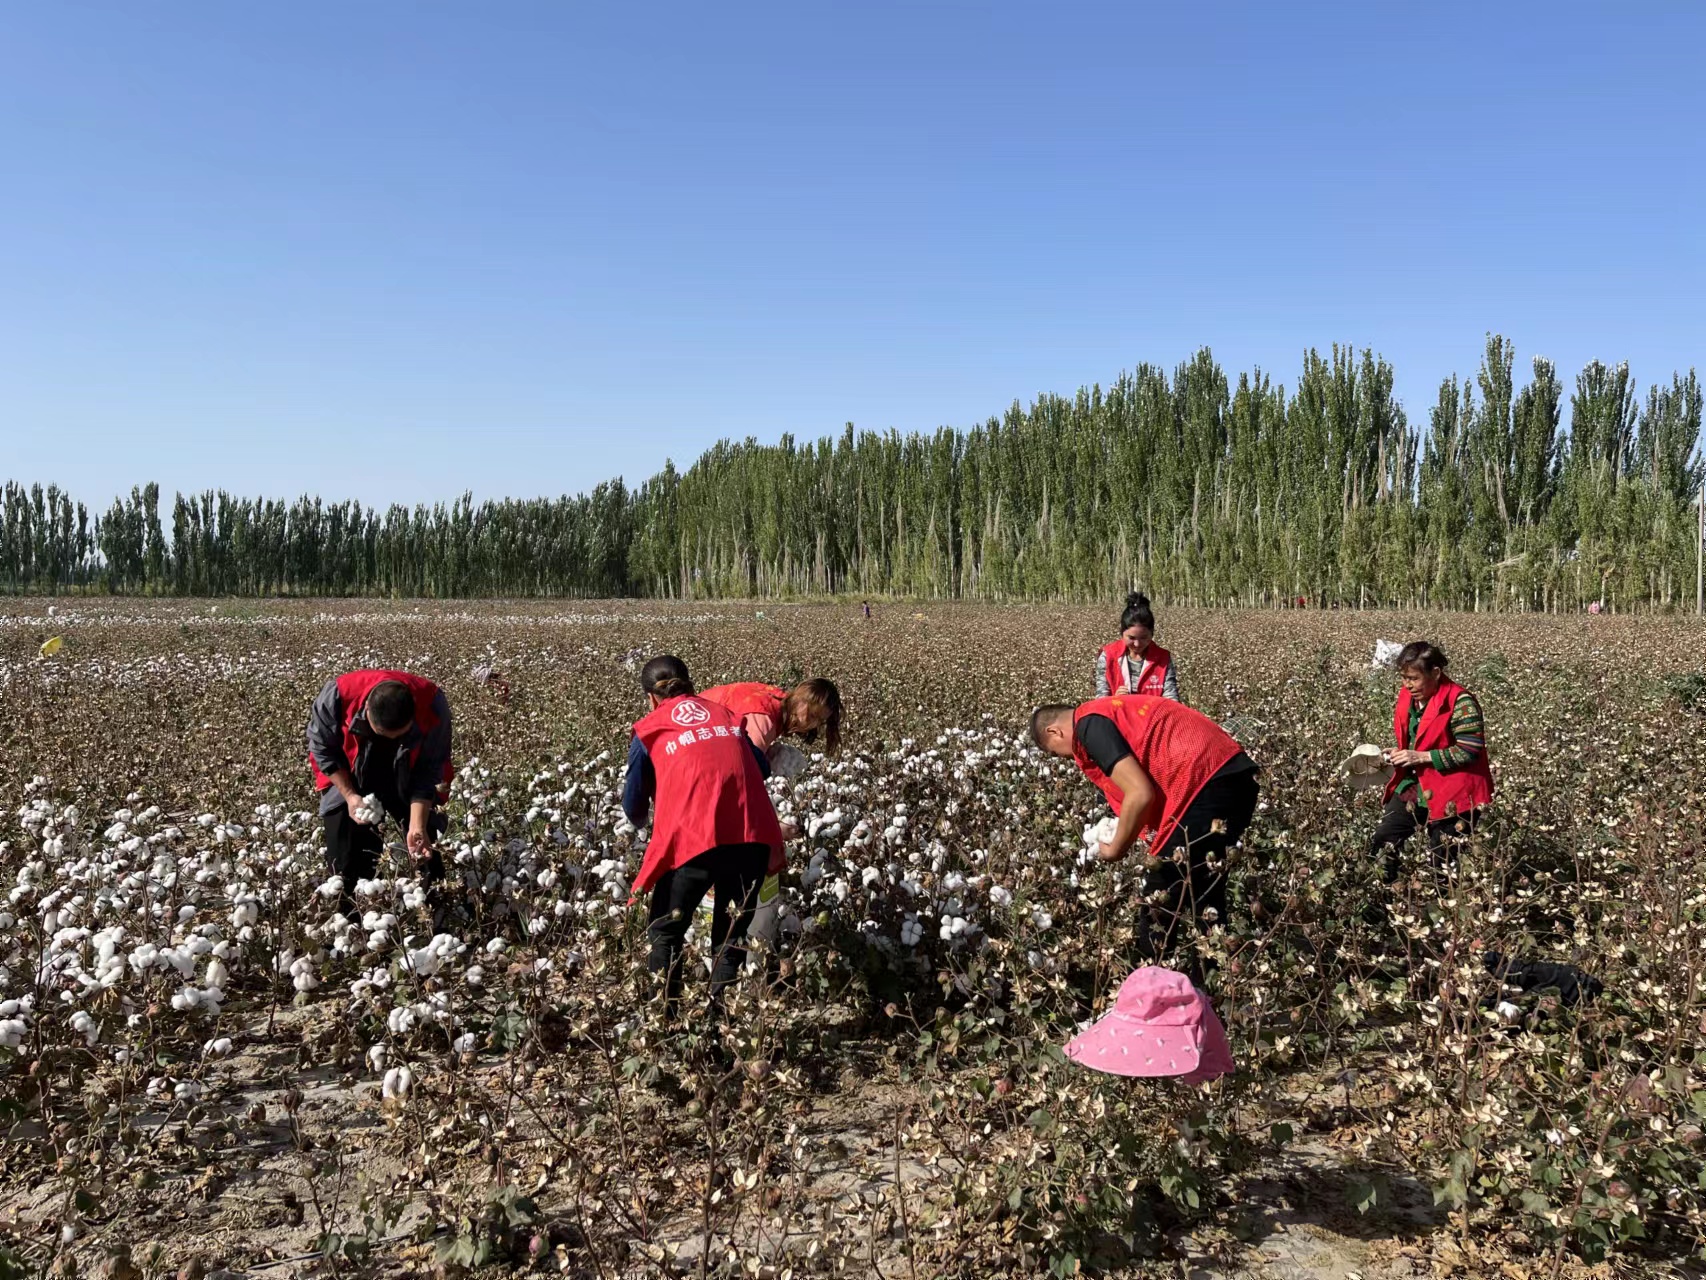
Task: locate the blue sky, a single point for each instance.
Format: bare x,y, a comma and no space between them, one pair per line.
396,250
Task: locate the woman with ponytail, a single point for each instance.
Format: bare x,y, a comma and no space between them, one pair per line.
1135,663
714,829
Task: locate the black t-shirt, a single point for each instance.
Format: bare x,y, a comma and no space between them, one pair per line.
1106,746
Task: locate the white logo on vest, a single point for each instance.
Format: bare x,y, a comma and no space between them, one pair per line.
687,713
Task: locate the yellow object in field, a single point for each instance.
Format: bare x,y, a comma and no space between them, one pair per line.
53,646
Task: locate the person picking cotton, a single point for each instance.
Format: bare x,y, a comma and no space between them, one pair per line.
379,744
1172,776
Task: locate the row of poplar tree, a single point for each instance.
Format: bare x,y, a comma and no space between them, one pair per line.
1202,490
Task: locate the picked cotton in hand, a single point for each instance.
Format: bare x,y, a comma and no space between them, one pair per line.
370,810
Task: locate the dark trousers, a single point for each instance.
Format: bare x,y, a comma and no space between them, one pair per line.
733,873
352,851
1189,887
1397,824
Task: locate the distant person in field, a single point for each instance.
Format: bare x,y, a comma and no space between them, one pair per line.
1135,663
1441,779
867,611
1174,778
714,831
769,712
384,734
489,677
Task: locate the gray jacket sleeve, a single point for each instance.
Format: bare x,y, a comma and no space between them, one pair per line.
325,731
1102,689
435,754
1171,689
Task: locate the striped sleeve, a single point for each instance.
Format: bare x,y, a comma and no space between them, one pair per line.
1468,736
1102,689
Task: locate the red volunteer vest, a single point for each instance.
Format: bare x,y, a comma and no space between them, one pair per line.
709,791
1180,748
752,699
1447,793
353,689
1152,680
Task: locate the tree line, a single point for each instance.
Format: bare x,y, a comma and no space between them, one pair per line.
1202,490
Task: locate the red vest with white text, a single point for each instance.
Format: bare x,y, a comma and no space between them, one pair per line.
709,791
1178,747
1459,791
1152,677
353,689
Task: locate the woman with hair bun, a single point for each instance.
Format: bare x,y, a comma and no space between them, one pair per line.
1440,779
1135,663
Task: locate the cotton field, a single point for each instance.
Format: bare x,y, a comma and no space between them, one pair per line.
206,1065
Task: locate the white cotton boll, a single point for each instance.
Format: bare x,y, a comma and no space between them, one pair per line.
496,947
369,810
305,982
186,914
1000,897
1509,1012
870,876
9,1008
186,1091
398,1081
220,1048
376,1057
1041,918
331,887
86,1026
911,932
464,1043
475,975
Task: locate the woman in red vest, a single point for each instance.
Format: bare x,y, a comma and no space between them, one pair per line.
1135,663
1173,777
714,830
768,712
384,734
1441,779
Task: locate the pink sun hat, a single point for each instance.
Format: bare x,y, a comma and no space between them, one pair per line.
1160,1025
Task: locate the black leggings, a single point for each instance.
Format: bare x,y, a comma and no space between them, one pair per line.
1174,890
1398,823
734,873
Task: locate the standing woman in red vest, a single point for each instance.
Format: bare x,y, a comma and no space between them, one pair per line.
768,712
714,831
1135,663
1174,778
384,734
1441,779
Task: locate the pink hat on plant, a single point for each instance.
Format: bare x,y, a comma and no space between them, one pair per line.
1160,1025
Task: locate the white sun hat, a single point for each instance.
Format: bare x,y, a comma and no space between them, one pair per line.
1367,767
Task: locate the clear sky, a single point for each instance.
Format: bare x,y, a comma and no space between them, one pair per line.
394,250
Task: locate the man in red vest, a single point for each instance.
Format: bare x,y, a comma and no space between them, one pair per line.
714,829
384,734
1174,778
